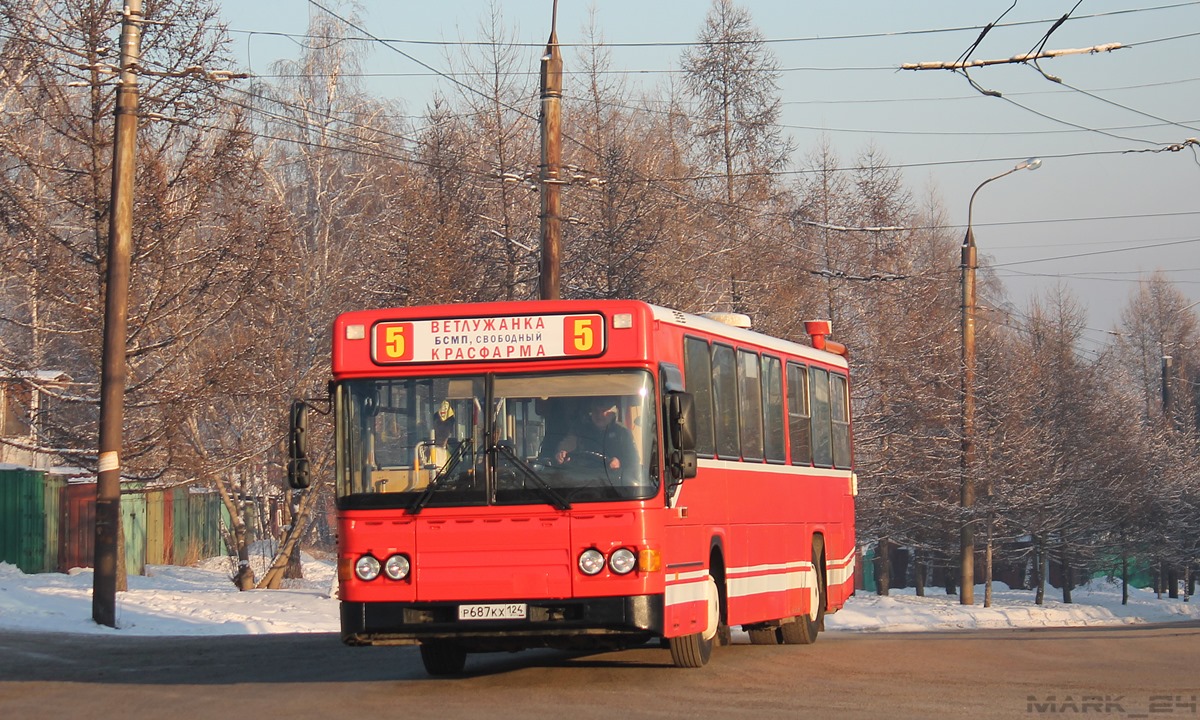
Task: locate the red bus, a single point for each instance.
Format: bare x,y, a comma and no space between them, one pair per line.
585,474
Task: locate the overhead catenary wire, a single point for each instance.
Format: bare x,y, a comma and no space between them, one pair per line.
401,156
1075,127
692,43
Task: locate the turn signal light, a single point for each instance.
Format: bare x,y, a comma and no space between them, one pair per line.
345,569
649,560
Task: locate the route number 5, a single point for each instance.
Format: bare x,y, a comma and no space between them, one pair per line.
393,342
583,335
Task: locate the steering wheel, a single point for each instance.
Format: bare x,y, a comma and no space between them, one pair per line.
583,458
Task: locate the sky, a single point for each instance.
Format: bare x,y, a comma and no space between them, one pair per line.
1102,211
188,601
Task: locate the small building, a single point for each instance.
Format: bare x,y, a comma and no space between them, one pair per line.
26,401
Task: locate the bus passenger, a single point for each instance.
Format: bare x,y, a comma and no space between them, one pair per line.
443,426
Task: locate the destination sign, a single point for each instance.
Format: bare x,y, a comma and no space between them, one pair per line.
520,337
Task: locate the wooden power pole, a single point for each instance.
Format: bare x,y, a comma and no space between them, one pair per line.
112,378
966,573
550,175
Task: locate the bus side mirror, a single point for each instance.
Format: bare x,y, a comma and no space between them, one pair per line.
298,466
681,419
687,464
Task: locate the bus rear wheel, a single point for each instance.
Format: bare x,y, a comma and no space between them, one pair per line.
443,658
693,651
804,628
764,636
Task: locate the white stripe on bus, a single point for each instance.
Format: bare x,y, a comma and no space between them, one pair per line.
761,579
771,469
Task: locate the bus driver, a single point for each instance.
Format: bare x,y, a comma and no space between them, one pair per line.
600,435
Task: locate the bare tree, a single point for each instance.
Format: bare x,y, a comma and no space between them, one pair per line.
199,248
337,161
501,108
617,220
732,78
1154,355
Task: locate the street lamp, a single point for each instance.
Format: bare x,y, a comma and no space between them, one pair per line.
966,486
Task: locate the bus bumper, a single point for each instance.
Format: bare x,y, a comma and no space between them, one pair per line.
582,623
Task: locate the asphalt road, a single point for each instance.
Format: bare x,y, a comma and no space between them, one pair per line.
1148,671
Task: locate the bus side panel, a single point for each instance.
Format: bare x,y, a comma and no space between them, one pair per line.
685,557
842,559
771,574
695,522
770,568
770,513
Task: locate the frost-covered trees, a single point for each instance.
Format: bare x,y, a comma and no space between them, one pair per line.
266,208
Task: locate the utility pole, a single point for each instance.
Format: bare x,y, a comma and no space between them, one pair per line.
1167,361
1169,575
966,578
966,592
550,176
112,376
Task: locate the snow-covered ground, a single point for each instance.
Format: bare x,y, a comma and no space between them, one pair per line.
172,600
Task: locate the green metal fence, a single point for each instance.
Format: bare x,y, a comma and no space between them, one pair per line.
29,514
48,525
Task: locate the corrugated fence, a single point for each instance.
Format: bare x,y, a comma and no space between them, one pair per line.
48,524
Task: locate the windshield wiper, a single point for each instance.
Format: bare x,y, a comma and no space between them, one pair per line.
556,499
447,469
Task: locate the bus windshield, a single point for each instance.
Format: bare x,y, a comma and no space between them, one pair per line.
553,438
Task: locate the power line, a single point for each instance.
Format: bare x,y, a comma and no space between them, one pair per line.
583,145
926,164
368,37
980,133
1097,275
680,71
1092,243
1096,218
1074,256
1127,108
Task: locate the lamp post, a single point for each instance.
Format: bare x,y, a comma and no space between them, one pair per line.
966,459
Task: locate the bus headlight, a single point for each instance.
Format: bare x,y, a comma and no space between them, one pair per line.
622,560
591,561
397,567
367,568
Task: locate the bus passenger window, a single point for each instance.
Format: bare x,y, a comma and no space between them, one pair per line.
773,423
839,405
822,432
697,378
799,422
726,405
750,404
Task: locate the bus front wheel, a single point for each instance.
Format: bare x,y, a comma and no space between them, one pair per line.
443,658
693,651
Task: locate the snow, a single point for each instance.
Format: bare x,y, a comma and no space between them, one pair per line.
171,600
1097,603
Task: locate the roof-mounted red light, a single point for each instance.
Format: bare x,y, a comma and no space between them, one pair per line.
820,330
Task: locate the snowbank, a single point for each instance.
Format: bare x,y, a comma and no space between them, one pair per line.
173,600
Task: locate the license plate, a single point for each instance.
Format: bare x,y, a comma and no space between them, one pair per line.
502,611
